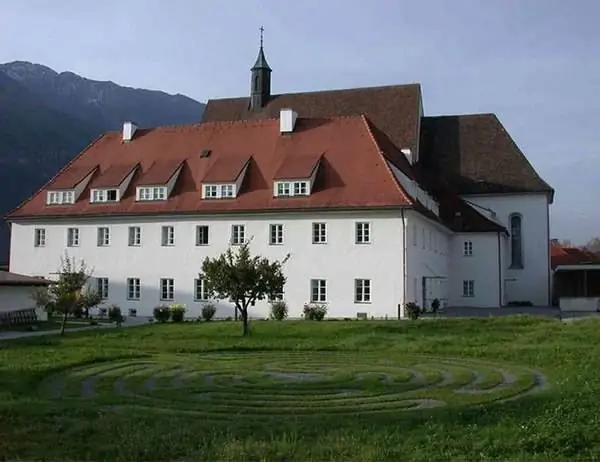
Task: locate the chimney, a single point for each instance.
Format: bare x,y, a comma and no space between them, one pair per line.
129,129
287,120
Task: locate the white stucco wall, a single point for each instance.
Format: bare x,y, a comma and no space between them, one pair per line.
14,298
339,261
532,282
481,267
427,257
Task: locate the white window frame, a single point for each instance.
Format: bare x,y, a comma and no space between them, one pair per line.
238,234
226,190
468,288
318,290
292,188
103,236
362,232
284,188
102,286
167,236
219,191
300,188
362,291
151,193
60,197
101,195
167,289
73,237
468,248
39,237
202,231
276,234
134,237
200,294
134,289
319,233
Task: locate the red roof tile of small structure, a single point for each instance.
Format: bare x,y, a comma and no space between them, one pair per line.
565,255
297,167
348,147
113,176
226,169
71,177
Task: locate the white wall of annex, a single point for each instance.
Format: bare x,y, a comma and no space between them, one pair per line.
532,283
339,261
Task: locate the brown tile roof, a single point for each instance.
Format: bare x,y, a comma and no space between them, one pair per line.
113,176
474,154
68,179
349,151
14,279
297,167
394,108
160,171
226,168
564,255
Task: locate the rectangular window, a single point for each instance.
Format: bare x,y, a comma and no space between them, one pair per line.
238,234
467,248
227,190
319,233
211,191
132,312
68,197
72,237
276,234
133,288
318,290
102,287
200,290
135,236
300,188
160,193
151,193
103,237
469,288
167,289
168,236
104,195
362,291
283,189
363,233
202,235
39,237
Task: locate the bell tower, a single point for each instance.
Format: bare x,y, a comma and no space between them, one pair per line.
260,85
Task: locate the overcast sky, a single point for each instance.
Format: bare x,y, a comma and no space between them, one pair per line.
535,63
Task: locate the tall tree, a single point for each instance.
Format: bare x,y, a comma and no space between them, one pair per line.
594,244
243,279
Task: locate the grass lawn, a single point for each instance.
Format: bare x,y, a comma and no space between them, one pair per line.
431,390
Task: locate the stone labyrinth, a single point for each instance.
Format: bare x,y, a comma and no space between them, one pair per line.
220,386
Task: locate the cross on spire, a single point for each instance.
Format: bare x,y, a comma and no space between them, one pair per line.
262,30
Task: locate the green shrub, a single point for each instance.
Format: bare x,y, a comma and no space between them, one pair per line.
435,306
520,303
162,313
208,311
115,315
314,311
177,312
279,310
413,311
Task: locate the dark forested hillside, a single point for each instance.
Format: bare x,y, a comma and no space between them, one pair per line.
46,118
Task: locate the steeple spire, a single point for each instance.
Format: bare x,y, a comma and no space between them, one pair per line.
260,86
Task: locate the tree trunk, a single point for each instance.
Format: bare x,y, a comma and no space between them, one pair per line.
235,313
64,323
245,320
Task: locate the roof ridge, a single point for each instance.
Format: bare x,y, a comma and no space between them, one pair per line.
367,123
56,175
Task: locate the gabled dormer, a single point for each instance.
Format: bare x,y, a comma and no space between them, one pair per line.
112,183
158,181
69,184
224,178
296,175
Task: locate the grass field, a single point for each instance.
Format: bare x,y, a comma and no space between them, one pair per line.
510,389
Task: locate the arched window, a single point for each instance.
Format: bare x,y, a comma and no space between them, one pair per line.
516,241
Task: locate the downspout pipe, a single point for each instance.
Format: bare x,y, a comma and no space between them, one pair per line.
499,271
404,275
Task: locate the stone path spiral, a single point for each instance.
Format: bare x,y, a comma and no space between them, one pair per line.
221,386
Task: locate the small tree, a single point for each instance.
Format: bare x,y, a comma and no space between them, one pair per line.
66,292
242,278
89,299
41,298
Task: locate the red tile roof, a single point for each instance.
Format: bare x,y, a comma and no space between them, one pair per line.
226,168
297,167
71,177
113,176
564,255
160,171
349,150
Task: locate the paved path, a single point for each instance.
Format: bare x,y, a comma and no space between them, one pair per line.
20,334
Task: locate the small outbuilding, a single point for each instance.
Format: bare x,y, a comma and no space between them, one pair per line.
16,303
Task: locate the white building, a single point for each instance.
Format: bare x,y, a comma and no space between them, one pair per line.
377,204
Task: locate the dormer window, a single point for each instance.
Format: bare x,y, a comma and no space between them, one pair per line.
105,195
151,193
60,197
218,191
292,188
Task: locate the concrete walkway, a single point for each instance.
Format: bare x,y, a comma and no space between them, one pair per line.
130,322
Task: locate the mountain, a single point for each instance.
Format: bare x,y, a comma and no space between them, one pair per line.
46,118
